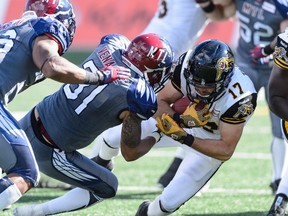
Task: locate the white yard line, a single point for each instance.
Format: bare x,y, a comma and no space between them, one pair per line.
209,190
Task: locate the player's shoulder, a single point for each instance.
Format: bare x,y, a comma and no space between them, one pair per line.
282,7
280,52
117,40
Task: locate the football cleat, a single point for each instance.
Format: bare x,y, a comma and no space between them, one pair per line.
143,208
279,205
28,210
274,186
165,179
108,164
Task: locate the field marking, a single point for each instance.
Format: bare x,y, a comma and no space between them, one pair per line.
209,190
238,155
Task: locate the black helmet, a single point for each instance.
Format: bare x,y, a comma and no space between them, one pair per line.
210,64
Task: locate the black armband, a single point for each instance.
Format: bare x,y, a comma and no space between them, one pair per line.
209,8
267,50
189,140
176,117
201,1
92,78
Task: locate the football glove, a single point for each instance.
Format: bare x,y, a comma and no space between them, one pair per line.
112,73
193,117
170,128
259,54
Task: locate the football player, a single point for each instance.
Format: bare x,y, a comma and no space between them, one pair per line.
173,21
222,101
72,117
253,53
31,49
278,104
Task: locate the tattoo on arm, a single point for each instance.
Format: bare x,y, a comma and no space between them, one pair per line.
131,131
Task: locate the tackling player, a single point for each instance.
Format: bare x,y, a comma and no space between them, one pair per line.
75,115
29,45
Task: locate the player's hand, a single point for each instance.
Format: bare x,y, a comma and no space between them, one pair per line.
257,54
195,115
170,128
112,73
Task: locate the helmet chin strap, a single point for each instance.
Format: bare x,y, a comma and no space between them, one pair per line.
132,66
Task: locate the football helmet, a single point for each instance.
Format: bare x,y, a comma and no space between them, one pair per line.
150,56
210,65
62,10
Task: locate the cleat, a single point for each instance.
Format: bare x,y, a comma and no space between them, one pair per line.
29,210
169,174
108,164
279,205
274,186
143,208
7,208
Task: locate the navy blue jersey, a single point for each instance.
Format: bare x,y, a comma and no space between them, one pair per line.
282,6
76,114
259,24
17,69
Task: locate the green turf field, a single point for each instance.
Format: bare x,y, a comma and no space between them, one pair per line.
239,188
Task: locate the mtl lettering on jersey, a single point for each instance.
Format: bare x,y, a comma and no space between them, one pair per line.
105,57
257,9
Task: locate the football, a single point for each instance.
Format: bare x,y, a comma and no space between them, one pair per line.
180,105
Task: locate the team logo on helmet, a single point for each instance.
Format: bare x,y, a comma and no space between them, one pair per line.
224,64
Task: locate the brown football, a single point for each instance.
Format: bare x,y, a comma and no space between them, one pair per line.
180,105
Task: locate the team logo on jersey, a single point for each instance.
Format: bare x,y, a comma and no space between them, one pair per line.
244,110
280,57
223,65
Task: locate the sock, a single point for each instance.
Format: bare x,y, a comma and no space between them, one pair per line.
75,199
107,152
278,150
9,193
154,208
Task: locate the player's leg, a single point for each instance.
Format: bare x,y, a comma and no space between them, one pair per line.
92,182
17,161
193,173
278,151
172,169
106,147
279,204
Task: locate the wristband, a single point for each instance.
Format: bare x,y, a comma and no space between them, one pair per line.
201,1
209,8
157,135
91,78
189,140
267,50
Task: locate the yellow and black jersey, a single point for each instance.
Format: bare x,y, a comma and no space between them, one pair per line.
280,53
234,106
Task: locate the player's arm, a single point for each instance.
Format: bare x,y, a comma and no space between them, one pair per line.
132,147
165,98
47,59
217,10
224,148
278,88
